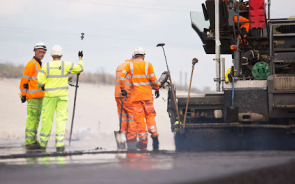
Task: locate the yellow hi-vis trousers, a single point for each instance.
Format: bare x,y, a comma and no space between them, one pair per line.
49,106
33,118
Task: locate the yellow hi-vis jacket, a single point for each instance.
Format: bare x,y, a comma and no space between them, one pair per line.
54,77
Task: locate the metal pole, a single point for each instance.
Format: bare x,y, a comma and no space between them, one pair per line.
74,109
217,45
222,71
269,2
172,89
82,37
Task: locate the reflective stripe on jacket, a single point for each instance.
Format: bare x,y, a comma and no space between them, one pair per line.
30,77
142,80
54,76
127,80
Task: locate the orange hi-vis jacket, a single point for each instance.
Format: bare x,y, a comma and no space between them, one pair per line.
242,19
127,80
142,79
30,77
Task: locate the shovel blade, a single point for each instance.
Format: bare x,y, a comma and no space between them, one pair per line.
120,139
232,114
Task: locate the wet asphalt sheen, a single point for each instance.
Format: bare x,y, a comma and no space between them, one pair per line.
150,167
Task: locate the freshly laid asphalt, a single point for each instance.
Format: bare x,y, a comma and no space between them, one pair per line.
108,166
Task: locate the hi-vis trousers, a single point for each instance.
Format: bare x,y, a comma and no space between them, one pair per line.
33,117
144,110
50,105
129,126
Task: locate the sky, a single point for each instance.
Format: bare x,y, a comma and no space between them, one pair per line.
113,29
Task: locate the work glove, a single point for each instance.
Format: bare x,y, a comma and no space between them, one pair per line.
23,99
43,88
26,86
157,94
123,92
80,53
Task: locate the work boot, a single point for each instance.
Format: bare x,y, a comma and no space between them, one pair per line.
33,146
60,149
155,143
132,144
142,145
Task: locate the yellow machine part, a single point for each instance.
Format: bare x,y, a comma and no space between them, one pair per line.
226,79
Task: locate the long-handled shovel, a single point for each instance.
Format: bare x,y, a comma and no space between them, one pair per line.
120,135
82,36
195,60
172,87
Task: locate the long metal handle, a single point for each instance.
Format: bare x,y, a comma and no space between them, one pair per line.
189,92
74,109
172,89
82,37
122,101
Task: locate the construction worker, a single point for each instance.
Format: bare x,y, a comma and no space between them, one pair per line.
54,78
128,124
142,80
31,93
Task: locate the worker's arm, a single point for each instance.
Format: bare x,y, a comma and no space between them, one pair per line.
42,79
28,73
124,73
76,69
153,78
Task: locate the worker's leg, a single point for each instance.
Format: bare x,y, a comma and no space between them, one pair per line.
48,109
131,124
124,115
33,117
139,116
61,119
150,114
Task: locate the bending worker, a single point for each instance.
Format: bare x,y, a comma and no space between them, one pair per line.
54,78
142,80
128,124
34,96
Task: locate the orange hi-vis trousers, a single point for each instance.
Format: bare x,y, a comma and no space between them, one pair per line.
129,126
145,110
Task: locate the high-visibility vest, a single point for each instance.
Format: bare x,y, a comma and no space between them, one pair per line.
30,77
127,80
142,80
54,77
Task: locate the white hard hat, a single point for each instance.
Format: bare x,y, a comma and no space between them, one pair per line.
40,45
138,51
56,51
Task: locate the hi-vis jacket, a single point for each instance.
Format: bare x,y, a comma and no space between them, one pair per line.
54,77
142,80
127,80
30,77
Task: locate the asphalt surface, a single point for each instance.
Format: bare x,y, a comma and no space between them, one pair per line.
109,166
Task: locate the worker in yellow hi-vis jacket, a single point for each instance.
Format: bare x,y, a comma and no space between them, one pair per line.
54,78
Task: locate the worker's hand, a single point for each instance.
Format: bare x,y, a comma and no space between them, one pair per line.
23,99
26,86
123,92
157,94
160,84
43,88
80,53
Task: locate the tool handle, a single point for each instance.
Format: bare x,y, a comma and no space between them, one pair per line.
82,37
189,92
122,102
74,109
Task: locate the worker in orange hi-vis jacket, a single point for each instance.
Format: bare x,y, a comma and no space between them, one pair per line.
142,81
33,94
129,126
